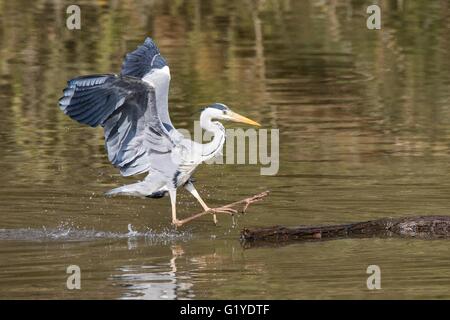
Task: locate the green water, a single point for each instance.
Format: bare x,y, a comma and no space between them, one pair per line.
364,120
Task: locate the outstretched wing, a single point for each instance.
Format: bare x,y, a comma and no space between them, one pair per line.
146,63
142,60
126,108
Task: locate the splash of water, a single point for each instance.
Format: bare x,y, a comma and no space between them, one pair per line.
65,232
131,232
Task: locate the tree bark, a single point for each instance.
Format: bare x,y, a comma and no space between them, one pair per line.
416,227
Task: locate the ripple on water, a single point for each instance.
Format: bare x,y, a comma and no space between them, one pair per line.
77,234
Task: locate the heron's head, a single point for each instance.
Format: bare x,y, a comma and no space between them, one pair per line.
220,111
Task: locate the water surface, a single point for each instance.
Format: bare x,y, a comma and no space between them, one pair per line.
364,134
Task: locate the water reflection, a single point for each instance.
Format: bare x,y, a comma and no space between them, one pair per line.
185,275
156,282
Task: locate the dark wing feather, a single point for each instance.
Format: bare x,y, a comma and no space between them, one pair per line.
91,99
139,62
126,108
146,61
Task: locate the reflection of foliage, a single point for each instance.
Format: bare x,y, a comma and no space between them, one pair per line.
288,60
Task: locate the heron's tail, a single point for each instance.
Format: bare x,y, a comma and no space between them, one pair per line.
139,189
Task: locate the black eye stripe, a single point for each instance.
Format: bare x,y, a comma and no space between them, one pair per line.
218,106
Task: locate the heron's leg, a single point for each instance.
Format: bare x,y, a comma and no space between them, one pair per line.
173,201
189,186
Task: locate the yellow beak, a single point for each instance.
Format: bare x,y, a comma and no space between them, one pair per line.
238,118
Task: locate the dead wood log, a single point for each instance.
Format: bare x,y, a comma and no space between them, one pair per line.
418,227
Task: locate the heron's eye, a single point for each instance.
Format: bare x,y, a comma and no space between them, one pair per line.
224,112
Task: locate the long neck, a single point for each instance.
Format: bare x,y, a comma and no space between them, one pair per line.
210,149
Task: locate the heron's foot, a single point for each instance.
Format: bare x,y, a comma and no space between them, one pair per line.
177,223
209,210
228,210
249,201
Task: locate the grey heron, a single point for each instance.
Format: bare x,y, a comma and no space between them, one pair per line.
132,108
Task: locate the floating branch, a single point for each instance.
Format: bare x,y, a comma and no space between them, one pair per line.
418,227
240,206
